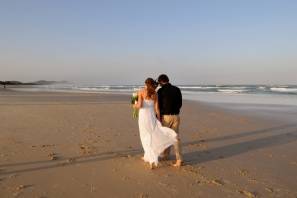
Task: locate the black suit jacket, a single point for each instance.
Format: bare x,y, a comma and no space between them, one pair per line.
170,99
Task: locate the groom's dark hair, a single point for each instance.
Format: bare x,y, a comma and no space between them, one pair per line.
163,78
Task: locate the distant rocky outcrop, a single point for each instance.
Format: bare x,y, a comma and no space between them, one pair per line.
40,82
45,82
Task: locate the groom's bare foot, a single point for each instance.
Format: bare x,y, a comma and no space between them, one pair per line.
178,164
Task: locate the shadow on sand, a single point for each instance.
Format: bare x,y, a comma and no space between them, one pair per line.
285,134
239,148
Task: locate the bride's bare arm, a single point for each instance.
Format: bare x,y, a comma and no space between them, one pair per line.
157,110
140,99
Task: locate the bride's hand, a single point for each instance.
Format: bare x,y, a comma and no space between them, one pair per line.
159,118
135,105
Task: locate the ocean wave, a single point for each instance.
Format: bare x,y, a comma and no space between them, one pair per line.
231,91
197,87
283,90
190,87
261,87
108,88
235,86
223,89
92,88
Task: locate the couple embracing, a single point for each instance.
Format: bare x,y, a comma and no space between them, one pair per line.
159,120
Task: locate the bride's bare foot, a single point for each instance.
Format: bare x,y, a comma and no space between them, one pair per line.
178,164
142,158
153,166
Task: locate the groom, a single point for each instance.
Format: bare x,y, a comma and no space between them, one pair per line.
170,102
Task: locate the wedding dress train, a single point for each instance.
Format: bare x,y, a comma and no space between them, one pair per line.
154,137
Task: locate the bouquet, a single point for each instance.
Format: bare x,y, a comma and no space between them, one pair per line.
134,100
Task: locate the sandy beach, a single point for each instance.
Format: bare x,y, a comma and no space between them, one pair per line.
87,145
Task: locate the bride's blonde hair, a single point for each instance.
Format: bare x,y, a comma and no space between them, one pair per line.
151,86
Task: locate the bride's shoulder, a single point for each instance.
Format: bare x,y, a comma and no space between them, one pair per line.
141,92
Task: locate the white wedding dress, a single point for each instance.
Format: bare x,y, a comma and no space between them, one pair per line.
154,137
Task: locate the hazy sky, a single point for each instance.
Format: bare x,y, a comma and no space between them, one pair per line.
123,41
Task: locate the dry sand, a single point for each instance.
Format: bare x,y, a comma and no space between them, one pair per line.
87,145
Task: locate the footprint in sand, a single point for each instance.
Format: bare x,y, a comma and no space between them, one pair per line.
47,145
196,145
243,172
12,176
85,149
269,189
254,181
18,190
71,160
20,187
248,193
52,156
217,182
126,178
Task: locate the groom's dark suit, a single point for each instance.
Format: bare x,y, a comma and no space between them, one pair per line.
170,102
170,99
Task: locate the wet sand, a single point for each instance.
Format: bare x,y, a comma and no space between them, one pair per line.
87,145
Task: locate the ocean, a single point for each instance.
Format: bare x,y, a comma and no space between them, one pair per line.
225,89
273,101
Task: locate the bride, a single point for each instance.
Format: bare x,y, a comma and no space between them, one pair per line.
154,137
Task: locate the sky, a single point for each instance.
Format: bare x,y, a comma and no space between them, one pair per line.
126,41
